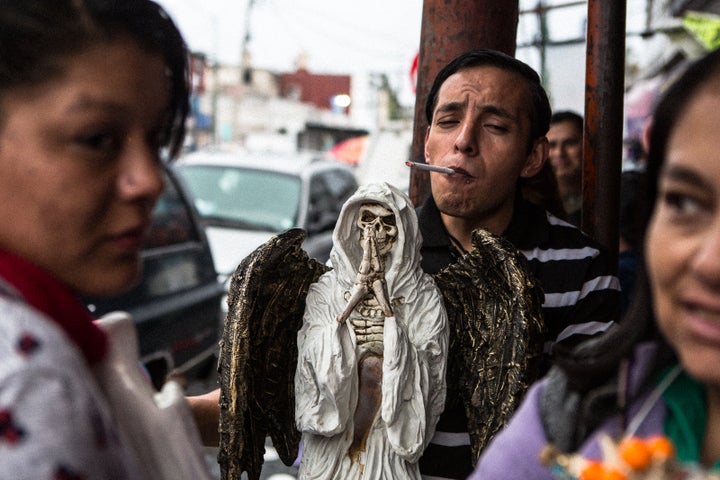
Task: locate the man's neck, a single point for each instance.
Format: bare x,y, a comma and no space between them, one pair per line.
569,186
461,228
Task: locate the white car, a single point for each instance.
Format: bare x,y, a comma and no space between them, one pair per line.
246,198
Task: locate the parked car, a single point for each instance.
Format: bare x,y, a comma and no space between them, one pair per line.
177,304
245,198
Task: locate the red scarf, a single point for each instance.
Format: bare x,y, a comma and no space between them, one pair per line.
57,301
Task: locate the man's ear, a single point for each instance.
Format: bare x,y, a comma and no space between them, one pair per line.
536,158
425,151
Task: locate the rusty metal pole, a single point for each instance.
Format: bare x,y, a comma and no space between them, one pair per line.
602,142
450,27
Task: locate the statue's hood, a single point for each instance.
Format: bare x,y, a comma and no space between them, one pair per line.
402,264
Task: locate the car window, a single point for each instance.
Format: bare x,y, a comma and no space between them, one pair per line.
244,198
341,184
328,191
171,222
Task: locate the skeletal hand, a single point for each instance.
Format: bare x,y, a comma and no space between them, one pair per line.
369,279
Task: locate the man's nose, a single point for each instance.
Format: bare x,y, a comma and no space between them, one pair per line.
467,141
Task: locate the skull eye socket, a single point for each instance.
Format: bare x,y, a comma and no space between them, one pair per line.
367,216
389,220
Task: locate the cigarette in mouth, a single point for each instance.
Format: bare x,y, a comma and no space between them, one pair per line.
430,168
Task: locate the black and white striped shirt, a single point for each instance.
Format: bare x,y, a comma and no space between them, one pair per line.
582,298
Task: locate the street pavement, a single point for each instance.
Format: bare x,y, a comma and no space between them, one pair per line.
273,468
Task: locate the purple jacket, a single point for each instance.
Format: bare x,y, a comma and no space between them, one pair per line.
514,452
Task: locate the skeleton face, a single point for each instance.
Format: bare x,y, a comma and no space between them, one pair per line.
380,221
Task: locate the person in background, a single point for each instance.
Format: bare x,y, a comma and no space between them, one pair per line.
93,96
656,372
565,138
632,195
542,189
488,115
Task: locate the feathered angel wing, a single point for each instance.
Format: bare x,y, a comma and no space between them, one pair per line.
258,354
494,310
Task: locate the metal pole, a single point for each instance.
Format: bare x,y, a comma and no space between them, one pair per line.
602,142
450,27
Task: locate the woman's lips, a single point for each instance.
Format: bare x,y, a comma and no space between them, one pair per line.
703,321
130,240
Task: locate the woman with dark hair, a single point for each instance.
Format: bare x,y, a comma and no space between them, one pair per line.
93,97
657,372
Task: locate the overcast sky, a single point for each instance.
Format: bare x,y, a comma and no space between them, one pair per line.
337,36
350,36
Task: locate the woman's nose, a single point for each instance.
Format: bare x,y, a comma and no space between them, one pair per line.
141,174
706,262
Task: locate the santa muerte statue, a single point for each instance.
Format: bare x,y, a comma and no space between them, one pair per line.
352,358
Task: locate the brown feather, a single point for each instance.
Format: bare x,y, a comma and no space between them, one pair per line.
496,333
258,354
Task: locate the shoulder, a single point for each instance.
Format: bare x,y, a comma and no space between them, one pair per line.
41,365
596,392
31,338
36,353
45,386
533,228
514,453
566,235
430,221
567,249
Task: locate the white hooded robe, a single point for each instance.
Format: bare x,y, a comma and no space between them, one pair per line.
413,363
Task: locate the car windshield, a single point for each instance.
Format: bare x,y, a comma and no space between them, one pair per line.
244,198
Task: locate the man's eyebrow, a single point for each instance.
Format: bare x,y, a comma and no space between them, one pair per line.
499,111
451,107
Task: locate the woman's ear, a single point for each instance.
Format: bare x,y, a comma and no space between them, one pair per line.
536,158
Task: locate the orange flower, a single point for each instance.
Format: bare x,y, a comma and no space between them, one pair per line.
593,471
597,471
635,453
660,447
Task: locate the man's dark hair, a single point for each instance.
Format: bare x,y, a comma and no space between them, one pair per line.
539,104
567,116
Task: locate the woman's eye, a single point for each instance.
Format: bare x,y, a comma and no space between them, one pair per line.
103,142
682,204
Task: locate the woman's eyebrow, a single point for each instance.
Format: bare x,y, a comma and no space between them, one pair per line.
679,173
86,103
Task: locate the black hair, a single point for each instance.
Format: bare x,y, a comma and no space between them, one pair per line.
632,206
567,116
37,35
539,110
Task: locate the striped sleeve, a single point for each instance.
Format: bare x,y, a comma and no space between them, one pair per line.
582,292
